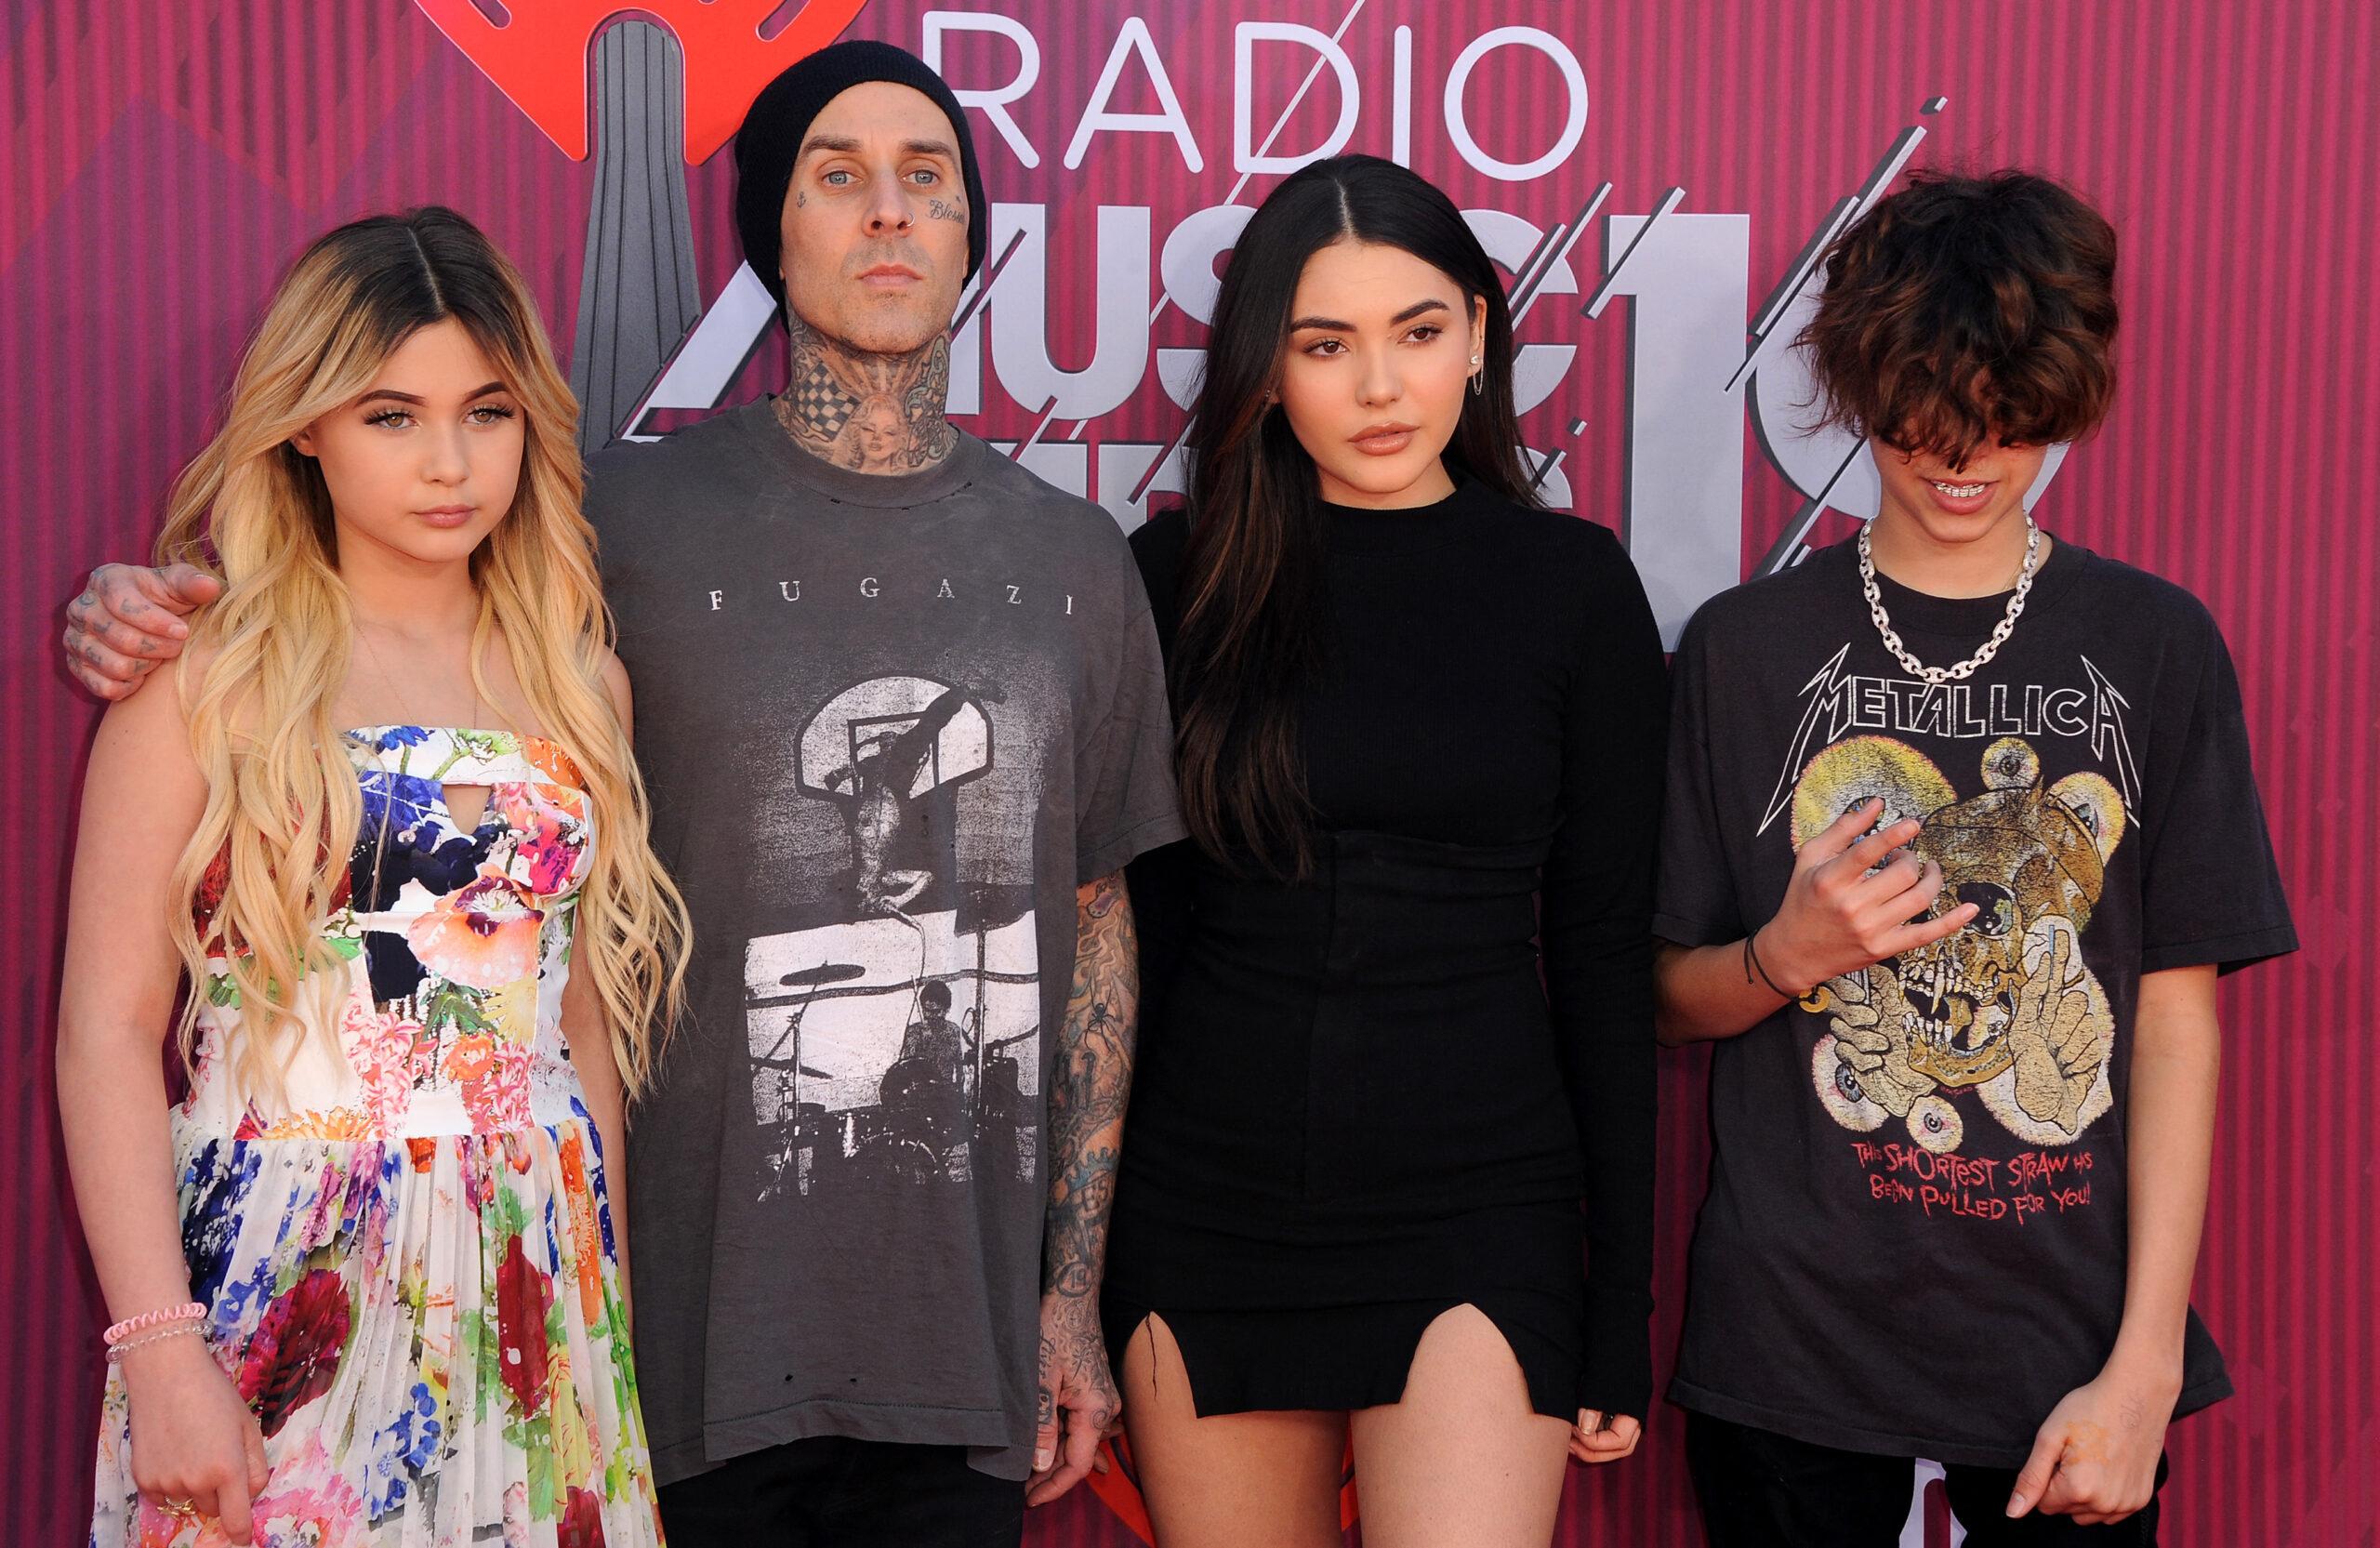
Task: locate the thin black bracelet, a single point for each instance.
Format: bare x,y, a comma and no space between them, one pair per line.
1752,960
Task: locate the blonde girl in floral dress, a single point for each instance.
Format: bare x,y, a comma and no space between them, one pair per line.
380,867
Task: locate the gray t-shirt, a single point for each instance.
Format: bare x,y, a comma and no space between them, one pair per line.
889,725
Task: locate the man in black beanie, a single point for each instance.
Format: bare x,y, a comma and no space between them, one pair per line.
902,719
903,723
866,273
769,143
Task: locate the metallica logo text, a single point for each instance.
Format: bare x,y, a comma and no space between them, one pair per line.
1836,702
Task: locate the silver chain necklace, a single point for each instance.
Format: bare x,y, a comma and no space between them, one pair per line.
1991,647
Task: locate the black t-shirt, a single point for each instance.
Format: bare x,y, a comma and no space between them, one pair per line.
1915,1238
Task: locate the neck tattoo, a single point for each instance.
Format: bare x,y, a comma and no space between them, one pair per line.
871,413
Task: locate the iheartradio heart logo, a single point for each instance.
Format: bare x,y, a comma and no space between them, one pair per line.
536,51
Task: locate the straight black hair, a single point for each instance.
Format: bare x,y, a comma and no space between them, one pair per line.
1252,613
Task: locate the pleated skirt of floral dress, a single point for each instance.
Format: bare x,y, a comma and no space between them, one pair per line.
406,1252
430,1335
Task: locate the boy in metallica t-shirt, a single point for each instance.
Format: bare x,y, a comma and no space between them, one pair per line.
1961,829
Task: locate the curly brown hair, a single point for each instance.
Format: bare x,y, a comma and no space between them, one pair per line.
1967,307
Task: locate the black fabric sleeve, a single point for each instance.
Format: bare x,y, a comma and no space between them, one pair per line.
1125,802
1163,906
1696,902
2210,887
1159,880
1597,903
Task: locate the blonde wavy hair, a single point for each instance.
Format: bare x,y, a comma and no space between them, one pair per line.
283,805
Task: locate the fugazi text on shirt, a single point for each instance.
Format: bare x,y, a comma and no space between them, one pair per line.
872,587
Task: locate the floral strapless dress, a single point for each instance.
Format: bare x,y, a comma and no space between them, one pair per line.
408,1259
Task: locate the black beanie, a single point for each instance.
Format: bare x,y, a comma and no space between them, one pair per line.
771,139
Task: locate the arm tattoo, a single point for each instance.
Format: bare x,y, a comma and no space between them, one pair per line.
1089,1085
877,413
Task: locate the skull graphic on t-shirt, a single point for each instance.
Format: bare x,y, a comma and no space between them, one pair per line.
2006,1008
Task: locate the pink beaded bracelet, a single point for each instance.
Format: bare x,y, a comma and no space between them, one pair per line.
116,1351
189,1311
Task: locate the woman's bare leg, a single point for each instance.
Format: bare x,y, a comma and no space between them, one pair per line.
1461,1461
1240,1480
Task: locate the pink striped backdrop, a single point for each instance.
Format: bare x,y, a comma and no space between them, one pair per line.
163,161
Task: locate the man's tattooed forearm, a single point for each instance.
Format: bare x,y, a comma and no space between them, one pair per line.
1090,1086
1075,1247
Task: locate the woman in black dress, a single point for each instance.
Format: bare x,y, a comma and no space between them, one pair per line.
1398,1008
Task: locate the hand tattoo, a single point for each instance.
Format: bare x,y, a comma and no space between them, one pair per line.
875,413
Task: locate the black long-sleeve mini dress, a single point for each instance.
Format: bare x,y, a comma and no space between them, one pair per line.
1425,1077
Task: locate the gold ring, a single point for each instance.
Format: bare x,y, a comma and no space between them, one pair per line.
181,1509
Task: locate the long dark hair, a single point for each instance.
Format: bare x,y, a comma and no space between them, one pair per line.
1252,611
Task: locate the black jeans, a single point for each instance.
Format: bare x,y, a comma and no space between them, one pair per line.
830,1491
1759,1489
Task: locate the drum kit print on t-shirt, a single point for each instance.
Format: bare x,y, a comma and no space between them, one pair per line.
898,1043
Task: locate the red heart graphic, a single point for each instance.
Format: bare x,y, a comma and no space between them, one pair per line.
537,55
